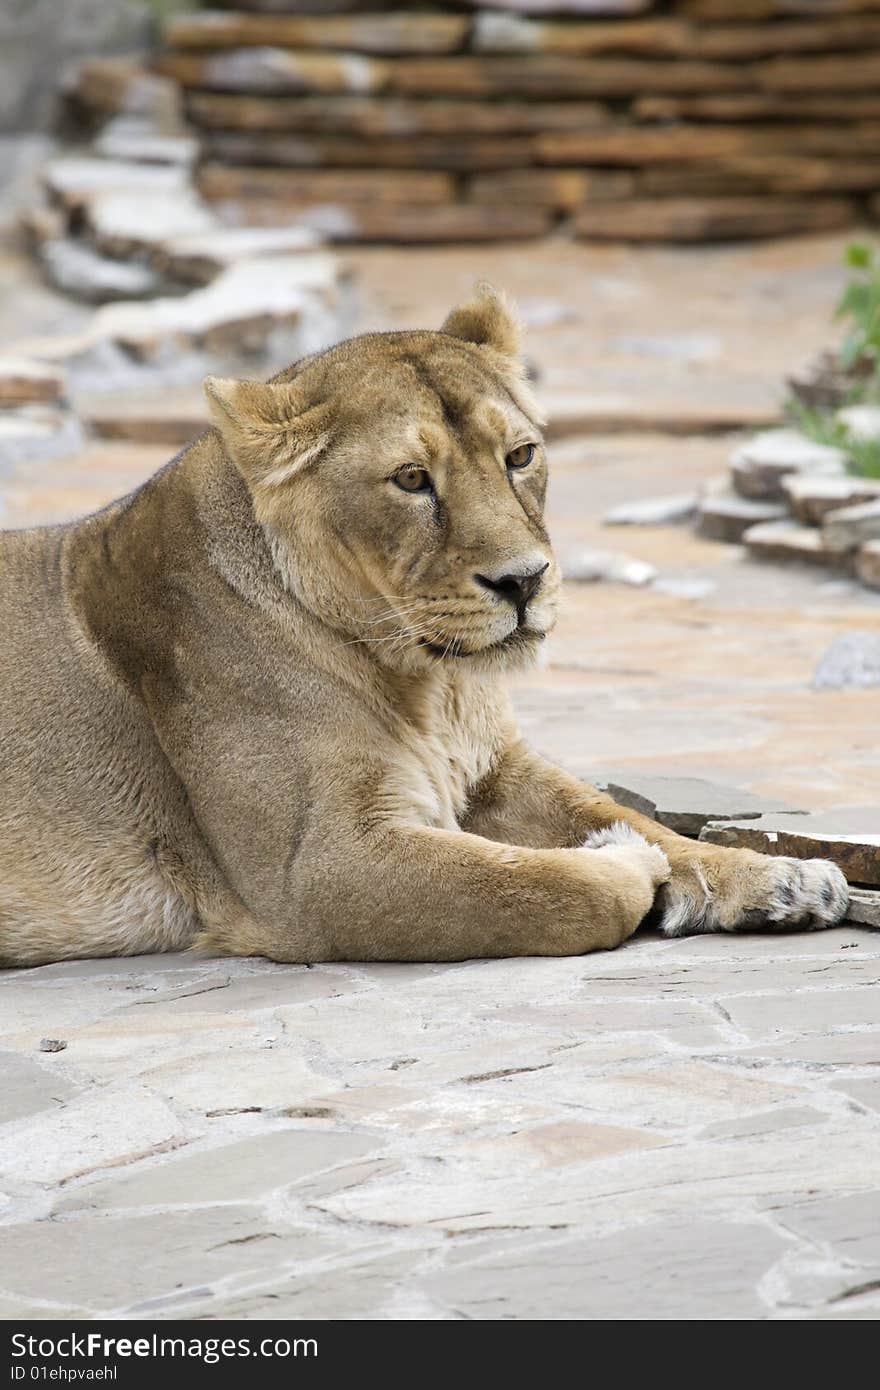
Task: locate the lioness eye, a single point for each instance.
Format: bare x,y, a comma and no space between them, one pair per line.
413,479
521,457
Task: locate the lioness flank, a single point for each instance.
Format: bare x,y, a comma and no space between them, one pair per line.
258,706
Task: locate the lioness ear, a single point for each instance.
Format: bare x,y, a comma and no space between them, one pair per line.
269,431
488,320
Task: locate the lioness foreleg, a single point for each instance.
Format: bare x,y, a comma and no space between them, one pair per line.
408,893
527,800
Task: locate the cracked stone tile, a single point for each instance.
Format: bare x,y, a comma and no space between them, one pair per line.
652,1272
779,946
95,1131
675,1094
693,980
378,1290
408,1109
475,1192
28,1088
804,1011
286,987
866,1091
242,1170
744,1126
117,1264
848,1226
854,1049
237,1079
566,1142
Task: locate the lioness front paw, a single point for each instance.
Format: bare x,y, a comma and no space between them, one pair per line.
621,842
744,891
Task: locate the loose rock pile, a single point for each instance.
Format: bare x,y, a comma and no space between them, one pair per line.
788,498
628,119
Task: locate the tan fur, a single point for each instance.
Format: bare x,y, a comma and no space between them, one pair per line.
258,706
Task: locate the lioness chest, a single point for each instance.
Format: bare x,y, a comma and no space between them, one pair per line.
445,745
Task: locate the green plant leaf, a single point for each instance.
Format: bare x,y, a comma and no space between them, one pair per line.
859,255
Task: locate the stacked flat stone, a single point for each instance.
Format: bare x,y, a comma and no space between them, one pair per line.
699,119
788,498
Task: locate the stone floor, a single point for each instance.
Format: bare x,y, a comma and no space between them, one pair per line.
685,1129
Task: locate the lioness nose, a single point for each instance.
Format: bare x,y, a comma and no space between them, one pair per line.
518,588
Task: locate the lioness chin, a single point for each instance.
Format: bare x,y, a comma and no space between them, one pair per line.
257,707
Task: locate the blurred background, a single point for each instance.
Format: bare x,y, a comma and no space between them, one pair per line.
680,196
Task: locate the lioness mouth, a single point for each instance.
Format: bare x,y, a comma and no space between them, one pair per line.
517,638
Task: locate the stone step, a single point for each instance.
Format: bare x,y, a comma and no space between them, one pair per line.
172,419
724,515
840,106
687,804
812,497
273,68
864,907
344,187
711,219
850,837
372,117
629,144
788,541
354,152
759,466
653,511
25,382
563,190
364,219
848,528
673,36
200,258
575,413
868,564
236,313
375,33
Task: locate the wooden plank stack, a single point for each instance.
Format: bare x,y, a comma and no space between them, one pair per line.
683,121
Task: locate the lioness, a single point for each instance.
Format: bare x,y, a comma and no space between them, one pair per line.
257,707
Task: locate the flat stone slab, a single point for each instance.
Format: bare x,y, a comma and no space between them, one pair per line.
79,270
864,907
74,179
23,382
811,498
850,837
653,511
237,311
849,527
787,541
868,564
724,515
203,256
686,804
759,466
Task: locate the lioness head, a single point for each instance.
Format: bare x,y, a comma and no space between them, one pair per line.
400,478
